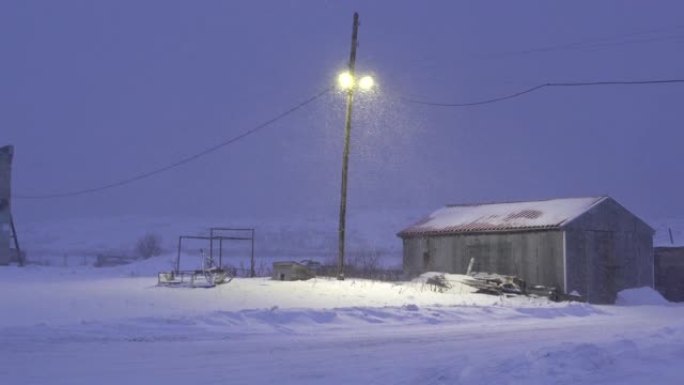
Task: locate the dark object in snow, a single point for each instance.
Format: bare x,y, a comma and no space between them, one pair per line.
554,294
438,283
291,271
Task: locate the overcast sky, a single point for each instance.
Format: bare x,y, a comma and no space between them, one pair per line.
93,92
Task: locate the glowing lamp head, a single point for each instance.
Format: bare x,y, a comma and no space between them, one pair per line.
366,83
345,80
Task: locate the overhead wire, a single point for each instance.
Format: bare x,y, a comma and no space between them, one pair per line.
179,162
231,140
539,87
637,37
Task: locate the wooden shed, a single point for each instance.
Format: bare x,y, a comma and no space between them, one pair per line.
592,246
669,272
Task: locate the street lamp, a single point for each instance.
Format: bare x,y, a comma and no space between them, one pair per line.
366,83
348,83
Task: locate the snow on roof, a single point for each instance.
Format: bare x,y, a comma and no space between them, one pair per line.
508,216
669,232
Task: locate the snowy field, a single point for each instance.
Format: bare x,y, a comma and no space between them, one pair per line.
78,241
64,321
81,325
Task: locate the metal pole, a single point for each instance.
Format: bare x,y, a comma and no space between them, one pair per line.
178,255
251,258
211,244
345,154
20,258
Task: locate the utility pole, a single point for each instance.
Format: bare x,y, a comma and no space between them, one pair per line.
345,154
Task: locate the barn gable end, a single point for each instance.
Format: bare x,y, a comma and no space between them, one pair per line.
608,249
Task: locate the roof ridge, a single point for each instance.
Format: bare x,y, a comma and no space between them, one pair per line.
597,197
594,204
504,216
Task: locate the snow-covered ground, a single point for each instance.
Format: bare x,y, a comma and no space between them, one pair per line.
83,325
67,322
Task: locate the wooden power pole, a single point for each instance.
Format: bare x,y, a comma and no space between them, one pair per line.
345,154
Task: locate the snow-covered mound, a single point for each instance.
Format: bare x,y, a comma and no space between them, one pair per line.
640,296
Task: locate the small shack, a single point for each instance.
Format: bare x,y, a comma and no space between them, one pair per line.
291,271
592,246
669,272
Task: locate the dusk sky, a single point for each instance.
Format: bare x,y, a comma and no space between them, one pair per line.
95,92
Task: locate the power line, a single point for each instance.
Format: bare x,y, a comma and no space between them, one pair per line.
180,162
291,110
636,37
541,86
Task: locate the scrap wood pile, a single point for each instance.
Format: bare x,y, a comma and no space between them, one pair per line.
498,284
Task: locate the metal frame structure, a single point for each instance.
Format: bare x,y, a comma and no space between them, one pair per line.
220,238
249,237
211,272
180,245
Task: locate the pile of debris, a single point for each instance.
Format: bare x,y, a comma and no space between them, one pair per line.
508,285
209,275
496,284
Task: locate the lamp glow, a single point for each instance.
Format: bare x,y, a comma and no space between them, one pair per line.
366,83
345,80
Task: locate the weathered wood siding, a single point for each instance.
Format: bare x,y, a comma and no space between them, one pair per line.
608,249
669,272
536,257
